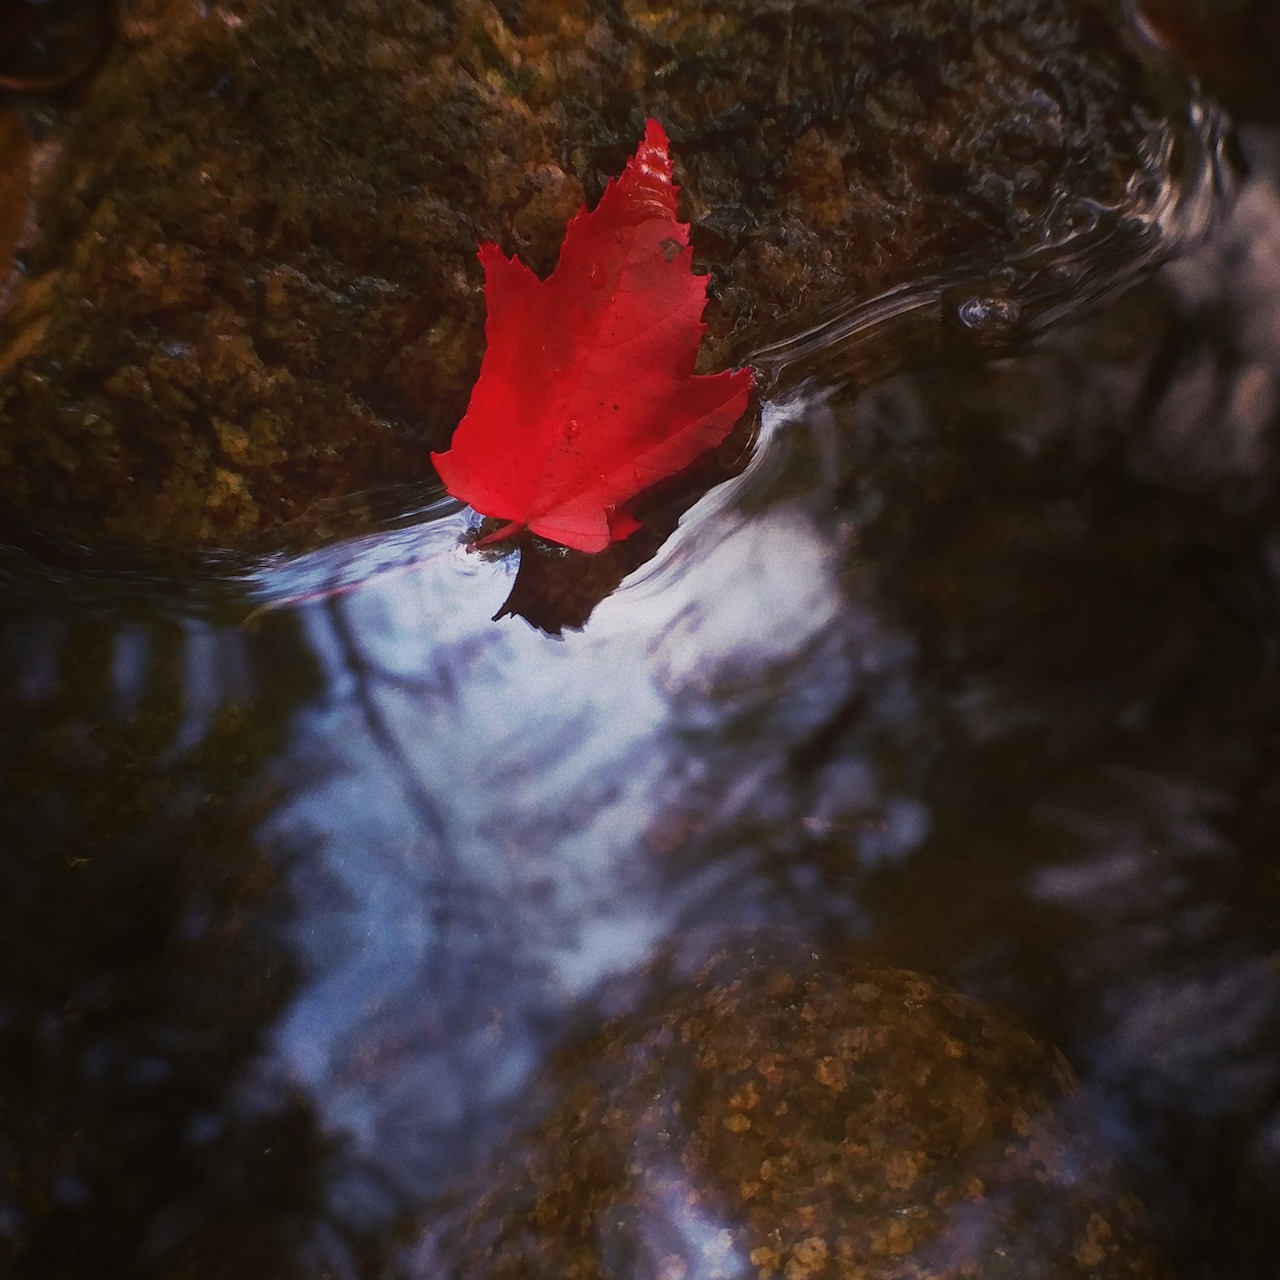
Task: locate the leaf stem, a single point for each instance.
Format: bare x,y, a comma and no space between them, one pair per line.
499,535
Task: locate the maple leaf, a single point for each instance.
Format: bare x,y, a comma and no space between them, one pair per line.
586,394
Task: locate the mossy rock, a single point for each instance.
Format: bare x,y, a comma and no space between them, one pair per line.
776,1110
252,294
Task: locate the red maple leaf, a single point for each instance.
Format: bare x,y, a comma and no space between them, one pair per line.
587,394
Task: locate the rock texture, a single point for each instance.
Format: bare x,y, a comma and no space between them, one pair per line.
253,290
780,1111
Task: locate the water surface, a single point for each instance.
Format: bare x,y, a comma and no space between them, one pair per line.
977,667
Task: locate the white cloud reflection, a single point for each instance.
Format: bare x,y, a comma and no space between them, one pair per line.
472,807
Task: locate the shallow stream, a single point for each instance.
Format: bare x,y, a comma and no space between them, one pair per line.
306,866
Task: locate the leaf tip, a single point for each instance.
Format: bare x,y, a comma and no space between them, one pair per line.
652,159
655,135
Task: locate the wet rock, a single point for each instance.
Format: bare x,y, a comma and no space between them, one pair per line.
780,1111
253,292
48,43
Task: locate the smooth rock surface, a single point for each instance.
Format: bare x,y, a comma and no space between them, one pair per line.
777,1110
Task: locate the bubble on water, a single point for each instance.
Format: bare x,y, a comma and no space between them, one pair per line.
989,315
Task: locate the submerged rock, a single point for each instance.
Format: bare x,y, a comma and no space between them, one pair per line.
253,289
781,1111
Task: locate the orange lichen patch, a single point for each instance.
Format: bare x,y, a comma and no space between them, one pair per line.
902,1168
1097,1242
830,1071
809,1258
817,173
163,277
31,322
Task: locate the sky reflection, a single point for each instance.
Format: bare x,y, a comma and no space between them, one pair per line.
482,824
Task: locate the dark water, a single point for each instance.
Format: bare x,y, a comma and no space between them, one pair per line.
979,667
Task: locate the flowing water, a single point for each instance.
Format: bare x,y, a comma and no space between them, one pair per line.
306,864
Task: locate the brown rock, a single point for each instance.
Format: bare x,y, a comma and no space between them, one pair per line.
253,291
780,1111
